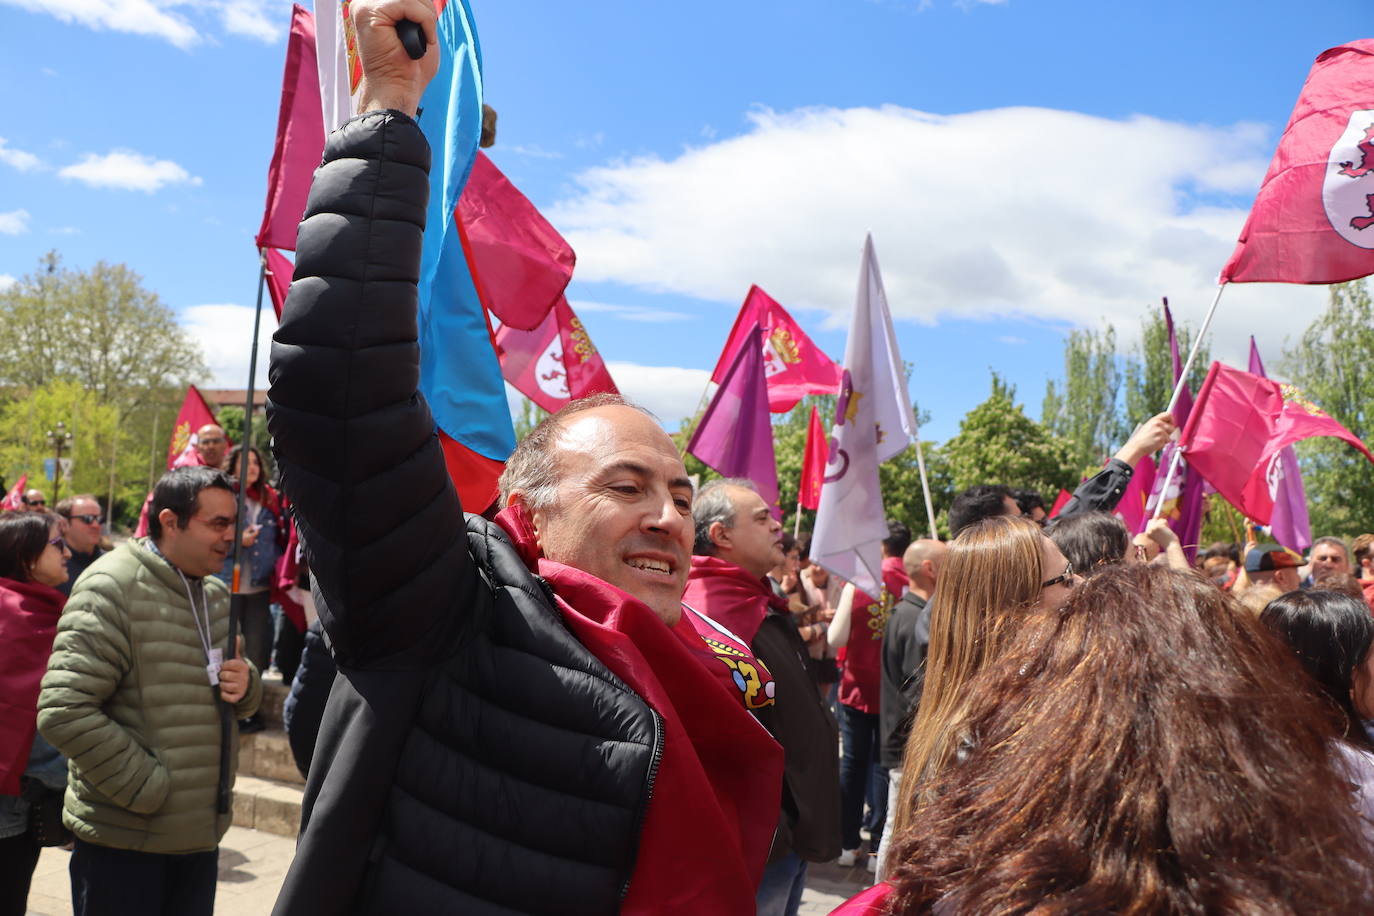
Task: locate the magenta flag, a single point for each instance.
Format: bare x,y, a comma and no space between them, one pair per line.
523,264
1131,509
1183,501
735,435
792,364
1289,523
279,270
1313,219
300,138
556,362
1238,429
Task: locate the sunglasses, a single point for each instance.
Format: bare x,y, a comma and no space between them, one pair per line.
1066,577
88,519
35,502
59,542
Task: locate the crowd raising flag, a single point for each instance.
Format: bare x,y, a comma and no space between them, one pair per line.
735,435
459,373
1178,496
1313,219
14,499
1239,428
873,422
194,414
521,261
1289,524
556,362
793,365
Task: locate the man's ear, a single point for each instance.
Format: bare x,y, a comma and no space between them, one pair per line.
168,518
719,534
517,500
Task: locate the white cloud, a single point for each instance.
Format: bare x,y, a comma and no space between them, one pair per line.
153,18
254,19
225,335
15,222
630,312
531,151
65,230
18,159
1027,212
128,170
1012,340
671,392
6,281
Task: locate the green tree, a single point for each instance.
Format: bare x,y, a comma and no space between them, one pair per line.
101,443
1333,364
100,328
998,443
1082,409
530,416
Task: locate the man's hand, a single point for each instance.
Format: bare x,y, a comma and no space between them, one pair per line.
390,78
233,680
1152,436
1159,531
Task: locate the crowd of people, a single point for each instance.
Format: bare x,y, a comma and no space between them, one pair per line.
614,691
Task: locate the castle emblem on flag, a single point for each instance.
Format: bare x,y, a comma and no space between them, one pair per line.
582,342
1348,190
181,438
779,352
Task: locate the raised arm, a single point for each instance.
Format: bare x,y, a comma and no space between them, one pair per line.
1103,491
377,513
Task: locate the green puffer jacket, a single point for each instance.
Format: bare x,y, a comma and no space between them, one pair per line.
126,699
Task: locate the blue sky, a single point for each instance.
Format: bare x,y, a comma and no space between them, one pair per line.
1025,167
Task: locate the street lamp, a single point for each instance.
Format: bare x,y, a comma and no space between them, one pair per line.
58,439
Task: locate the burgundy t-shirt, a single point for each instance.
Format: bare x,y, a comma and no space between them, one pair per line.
861,682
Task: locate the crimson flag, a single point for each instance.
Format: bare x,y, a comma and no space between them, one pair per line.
279,271
194,414
556,362
300,138
1313,219
1238,430
523,263
14,499
1060,502
792,364
813,463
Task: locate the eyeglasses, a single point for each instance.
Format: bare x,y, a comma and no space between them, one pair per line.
219,524
88,519
1066,577
35,502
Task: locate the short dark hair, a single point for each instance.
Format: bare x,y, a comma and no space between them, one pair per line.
179,490
975,504
898,538
1222,549
1090,540
23,538
1028,500
1331,634
1334,541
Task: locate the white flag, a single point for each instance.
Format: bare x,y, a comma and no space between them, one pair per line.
334,63
873,422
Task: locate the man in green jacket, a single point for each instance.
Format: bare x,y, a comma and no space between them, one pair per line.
131,699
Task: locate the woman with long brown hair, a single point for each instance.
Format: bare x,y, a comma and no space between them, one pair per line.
1145,749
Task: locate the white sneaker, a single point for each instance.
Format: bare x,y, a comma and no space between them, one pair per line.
848,857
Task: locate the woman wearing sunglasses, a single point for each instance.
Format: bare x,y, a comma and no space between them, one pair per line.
33,562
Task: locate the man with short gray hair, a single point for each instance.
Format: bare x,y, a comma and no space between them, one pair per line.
737,542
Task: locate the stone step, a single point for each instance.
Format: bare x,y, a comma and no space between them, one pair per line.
267,755
273,695
267,805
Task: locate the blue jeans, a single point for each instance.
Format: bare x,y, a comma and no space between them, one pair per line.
780,891
861,778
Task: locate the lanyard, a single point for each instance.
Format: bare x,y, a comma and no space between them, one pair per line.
202,630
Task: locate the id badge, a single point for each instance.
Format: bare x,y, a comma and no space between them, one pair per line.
213,665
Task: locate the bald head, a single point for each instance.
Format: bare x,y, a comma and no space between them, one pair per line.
922,562
211,445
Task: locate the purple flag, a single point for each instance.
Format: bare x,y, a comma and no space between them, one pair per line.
1289,523
1183,501
735,435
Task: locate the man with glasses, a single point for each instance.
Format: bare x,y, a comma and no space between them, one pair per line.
34,499
83,535
132,698
212,445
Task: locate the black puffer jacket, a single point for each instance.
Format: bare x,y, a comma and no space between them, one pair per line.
474,756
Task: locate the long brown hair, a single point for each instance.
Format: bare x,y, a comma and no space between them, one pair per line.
1146,749
992,572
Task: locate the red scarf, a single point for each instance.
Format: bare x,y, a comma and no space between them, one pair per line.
715,804
730,596
28,625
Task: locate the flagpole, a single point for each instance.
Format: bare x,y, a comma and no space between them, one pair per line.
1192,353
925,487
796,526
1168,479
